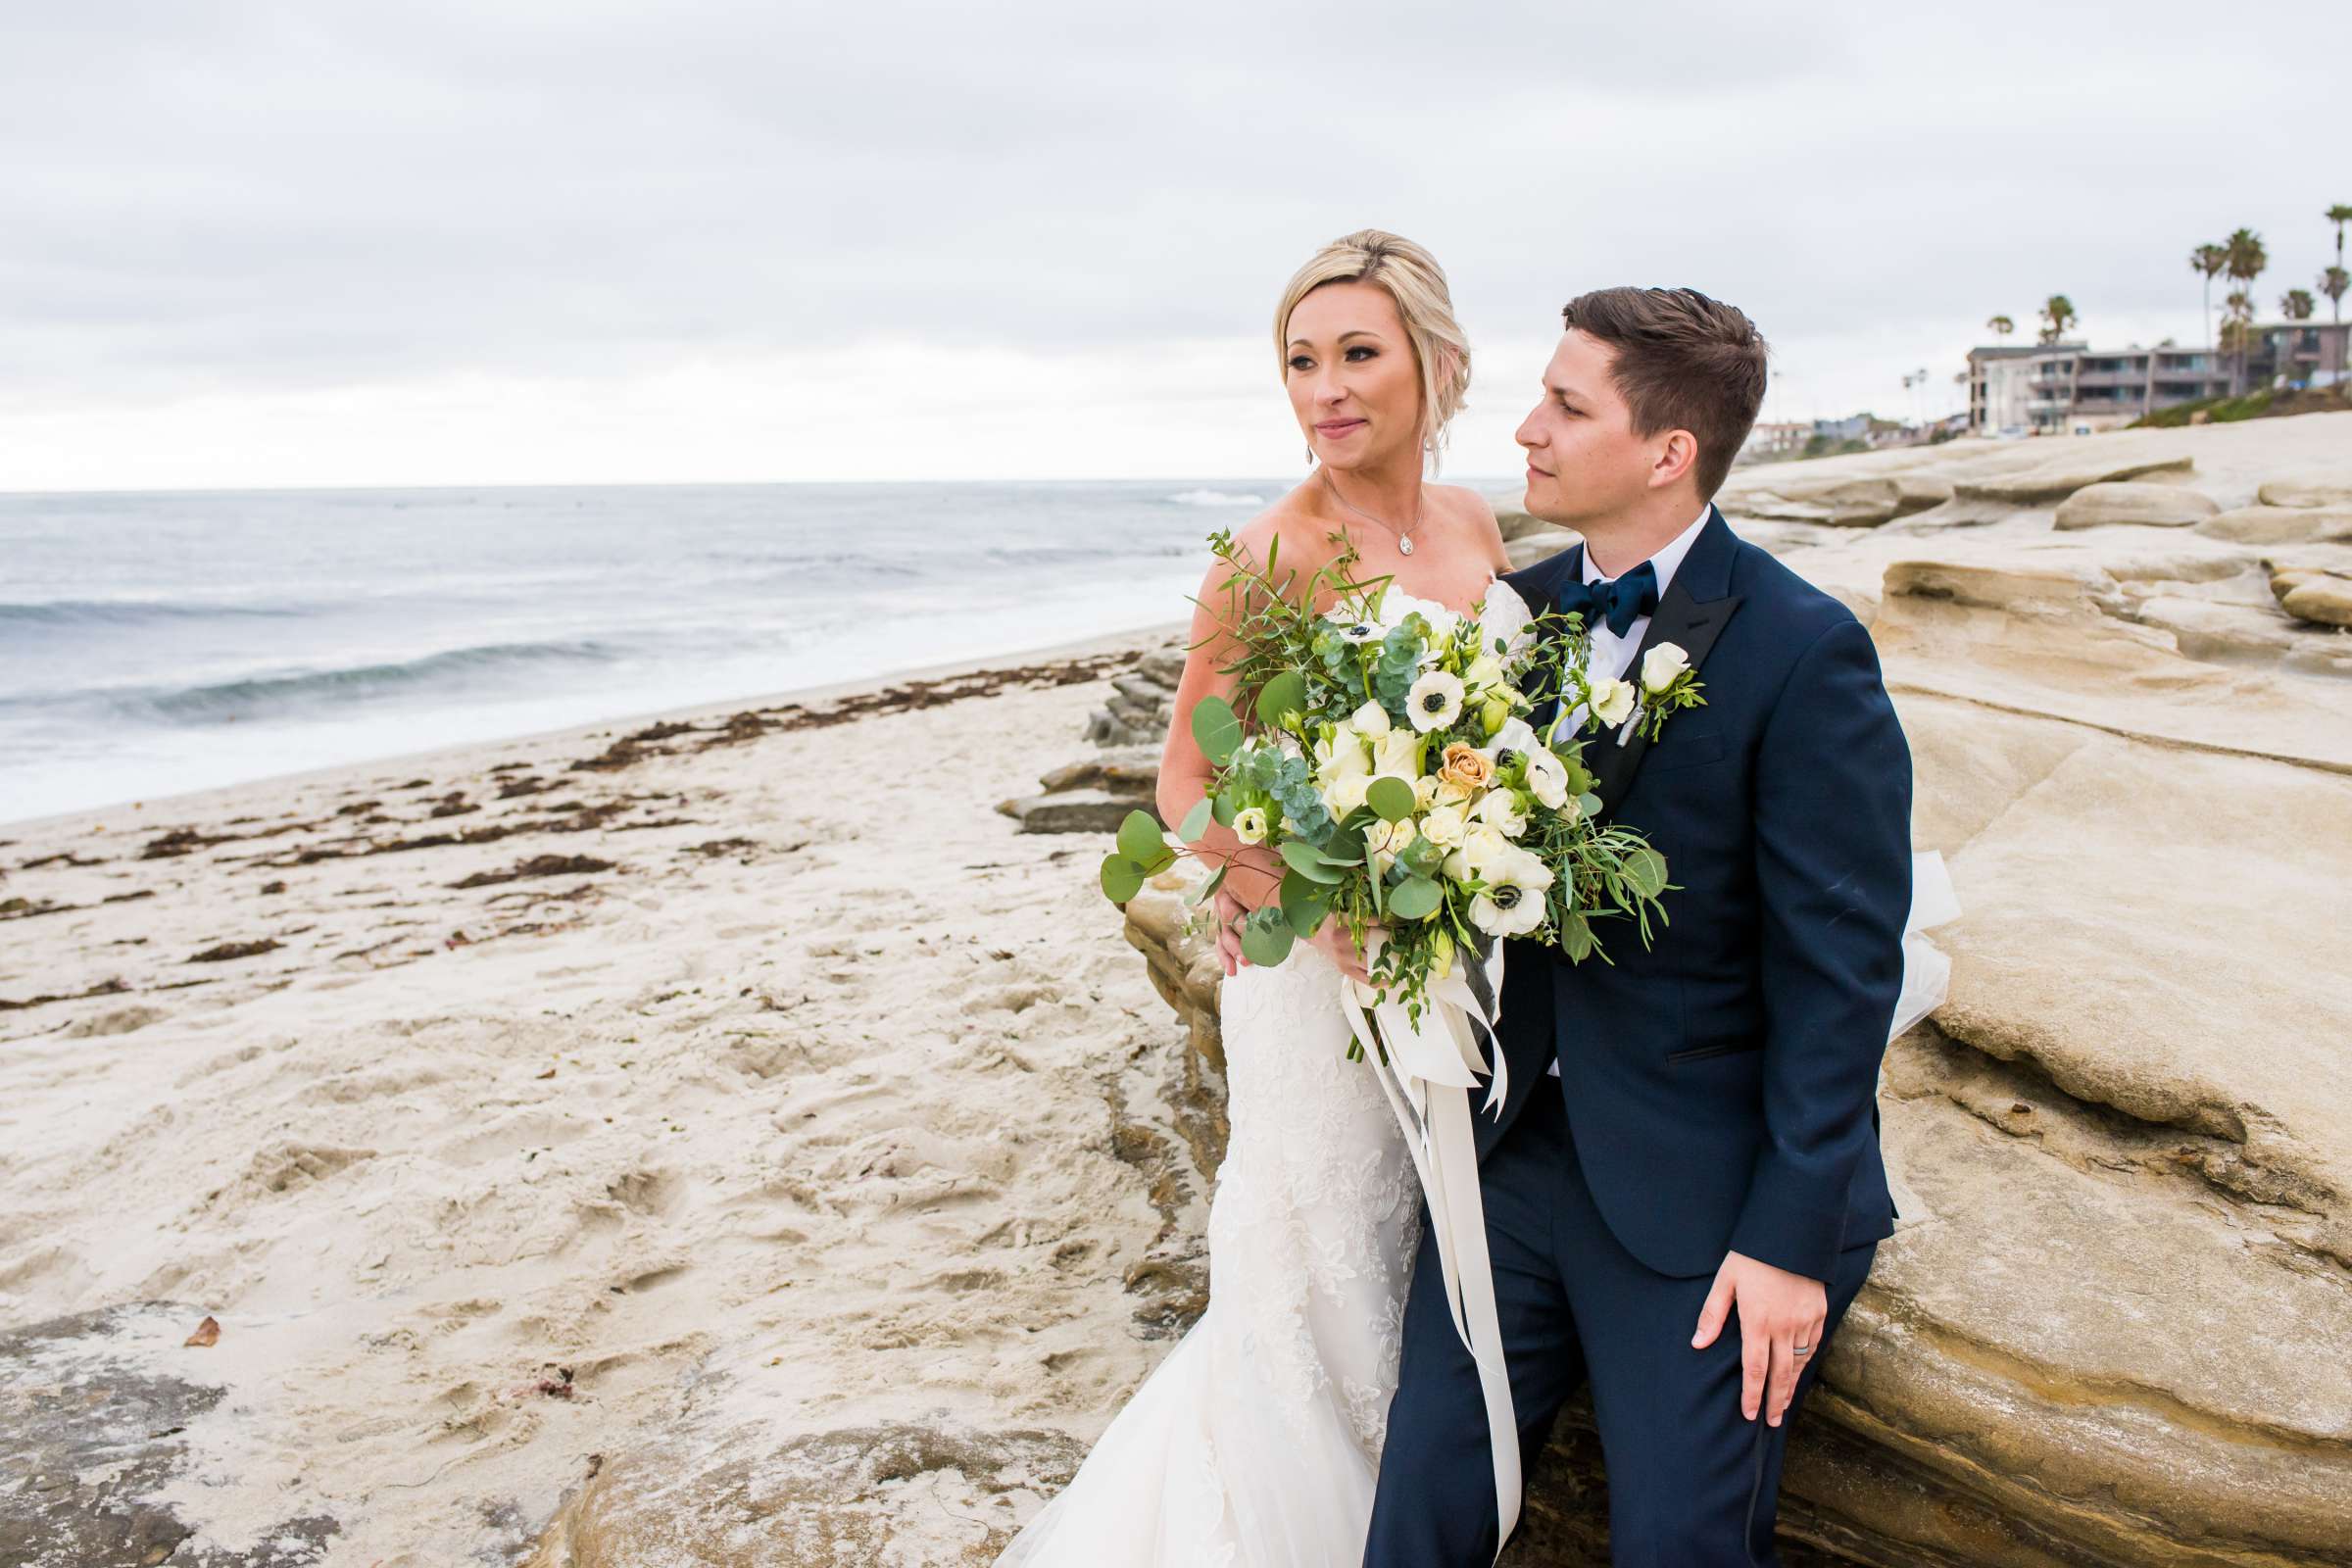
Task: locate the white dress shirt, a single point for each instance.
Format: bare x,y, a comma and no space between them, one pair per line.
1611,654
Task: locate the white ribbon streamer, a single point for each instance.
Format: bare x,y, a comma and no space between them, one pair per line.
1427,1072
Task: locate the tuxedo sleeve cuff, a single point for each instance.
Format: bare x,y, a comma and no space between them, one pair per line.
1784,1222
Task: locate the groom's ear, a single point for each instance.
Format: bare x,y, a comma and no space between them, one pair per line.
1673,454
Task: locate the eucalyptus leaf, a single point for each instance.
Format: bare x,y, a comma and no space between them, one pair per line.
1305,903
1645,869
1216,728
1208,889
1196,820
1391,797
1416,899
1267,936
1139,838
1285,693
1576,938
1308,860
1122,878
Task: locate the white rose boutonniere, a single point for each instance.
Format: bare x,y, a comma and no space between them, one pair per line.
1668,682
1661,665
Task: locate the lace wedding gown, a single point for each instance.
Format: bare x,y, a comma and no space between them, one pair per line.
1256,1442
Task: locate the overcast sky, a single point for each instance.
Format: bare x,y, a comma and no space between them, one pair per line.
334,242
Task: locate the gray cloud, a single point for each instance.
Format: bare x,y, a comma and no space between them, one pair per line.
249,198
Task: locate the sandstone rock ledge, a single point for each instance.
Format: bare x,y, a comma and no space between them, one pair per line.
2114,1326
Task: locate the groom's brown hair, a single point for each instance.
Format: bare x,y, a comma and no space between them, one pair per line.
1684,361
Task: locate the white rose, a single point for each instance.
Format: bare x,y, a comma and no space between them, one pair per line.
1397,754
1446,794
1346,793
1482,848
1385,840
1370,719
1445,826
1500,810
1249,824
1613,702
1546,779
1425,792
1436,701
1485,670
1660,666
1341,757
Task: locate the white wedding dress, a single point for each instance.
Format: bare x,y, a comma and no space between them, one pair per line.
1256,1441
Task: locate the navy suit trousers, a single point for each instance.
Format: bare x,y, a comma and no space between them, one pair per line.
1692,1483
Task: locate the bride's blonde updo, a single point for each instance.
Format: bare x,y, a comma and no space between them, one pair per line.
1412,277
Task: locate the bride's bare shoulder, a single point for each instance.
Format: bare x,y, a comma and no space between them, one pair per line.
1306,537
1473,510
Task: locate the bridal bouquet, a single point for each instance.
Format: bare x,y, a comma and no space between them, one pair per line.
1382,750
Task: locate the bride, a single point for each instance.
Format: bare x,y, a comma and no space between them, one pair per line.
1255,1442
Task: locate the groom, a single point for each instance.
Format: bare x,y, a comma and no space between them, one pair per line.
1684,1191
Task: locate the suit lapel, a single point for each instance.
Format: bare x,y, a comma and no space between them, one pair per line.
1540,587
1692,612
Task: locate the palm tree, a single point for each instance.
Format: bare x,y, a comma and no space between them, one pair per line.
2002,325
2336,282
2339,215
2296,304
2237,332
2057,314
2209,260
2246,261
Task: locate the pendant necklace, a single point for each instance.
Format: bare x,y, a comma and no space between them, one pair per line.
1404,536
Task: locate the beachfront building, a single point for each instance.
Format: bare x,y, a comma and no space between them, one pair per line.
2301,353
1776,438
2073,389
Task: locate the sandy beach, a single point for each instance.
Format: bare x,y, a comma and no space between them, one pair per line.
730,1079
720,1138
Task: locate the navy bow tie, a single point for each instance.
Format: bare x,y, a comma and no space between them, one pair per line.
1619,601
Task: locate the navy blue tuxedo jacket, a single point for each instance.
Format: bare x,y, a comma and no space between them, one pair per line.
1721,1085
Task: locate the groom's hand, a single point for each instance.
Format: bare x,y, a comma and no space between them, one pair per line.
1777,1311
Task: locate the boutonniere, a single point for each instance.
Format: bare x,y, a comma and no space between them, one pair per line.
1668,682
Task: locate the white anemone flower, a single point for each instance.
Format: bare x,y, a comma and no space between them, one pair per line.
1512,904
1435,702
1546,779
1613,702
1516,738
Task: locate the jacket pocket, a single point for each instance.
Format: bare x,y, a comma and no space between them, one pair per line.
1689,751
1729,1048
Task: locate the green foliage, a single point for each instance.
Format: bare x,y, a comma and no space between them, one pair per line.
1216,729
1285,693
1391,797
1267,936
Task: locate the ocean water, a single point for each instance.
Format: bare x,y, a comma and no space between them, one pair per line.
156,643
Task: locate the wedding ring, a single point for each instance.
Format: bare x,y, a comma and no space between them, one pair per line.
1802,1349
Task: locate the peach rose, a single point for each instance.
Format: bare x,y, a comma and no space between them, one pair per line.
1466,768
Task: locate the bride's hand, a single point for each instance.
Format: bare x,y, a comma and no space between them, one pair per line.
1332,940
1228,911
